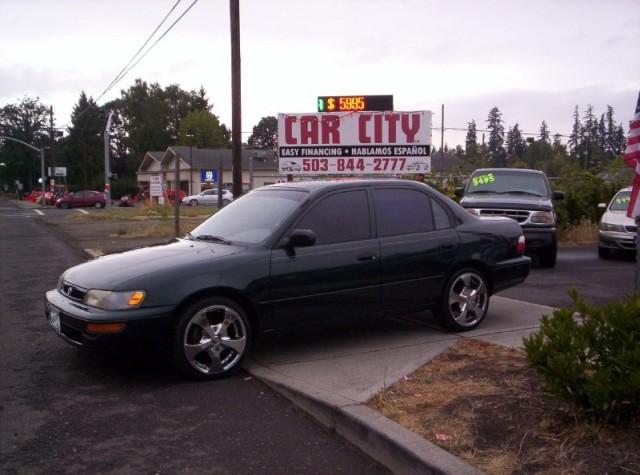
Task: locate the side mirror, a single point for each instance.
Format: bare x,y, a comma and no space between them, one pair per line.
459,191
301,238
557,195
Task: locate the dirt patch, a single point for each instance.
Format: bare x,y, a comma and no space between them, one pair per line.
484,404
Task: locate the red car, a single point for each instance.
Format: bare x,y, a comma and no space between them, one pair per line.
81,199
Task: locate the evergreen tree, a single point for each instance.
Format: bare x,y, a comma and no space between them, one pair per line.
575,139
515,144
610,141
497,154
557,146
544,133
84,145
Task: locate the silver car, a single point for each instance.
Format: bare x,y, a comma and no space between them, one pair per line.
208,198
617,232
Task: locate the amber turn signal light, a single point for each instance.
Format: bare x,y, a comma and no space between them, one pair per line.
105,328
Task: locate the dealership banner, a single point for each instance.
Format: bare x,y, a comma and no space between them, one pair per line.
355,143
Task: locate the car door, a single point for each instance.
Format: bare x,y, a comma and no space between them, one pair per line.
337,278
210,197
417,245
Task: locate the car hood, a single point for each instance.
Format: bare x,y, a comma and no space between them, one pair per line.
617,217
507,201
121,270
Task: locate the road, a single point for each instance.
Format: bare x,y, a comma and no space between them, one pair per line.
599,281
62,411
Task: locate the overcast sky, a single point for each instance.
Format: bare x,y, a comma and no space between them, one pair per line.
534,60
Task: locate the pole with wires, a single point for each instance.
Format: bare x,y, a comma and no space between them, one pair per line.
236,109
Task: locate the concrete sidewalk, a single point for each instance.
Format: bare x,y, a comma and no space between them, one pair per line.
332,374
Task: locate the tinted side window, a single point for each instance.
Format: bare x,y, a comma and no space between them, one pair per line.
339,217
440,216
402,211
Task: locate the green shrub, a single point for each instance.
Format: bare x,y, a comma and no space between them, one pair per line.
590,357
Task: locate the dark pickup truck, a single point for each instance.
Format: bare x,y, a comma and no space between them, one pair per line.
520,194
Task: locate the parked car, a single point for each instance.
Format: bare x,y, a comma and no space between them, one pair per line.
208,198
617,232
81,199
522,195
291,256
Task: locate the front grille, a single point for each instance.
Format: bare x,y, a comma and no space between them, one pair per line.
71,328
631,228
519,215
71,291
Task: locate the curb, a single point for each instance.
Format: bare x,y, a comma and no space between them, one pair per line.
390,444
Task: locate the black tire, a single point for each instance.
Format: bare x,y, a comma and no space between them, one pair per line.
193,203
462,283
202,347
549,255
603,253
98,205
225,202
64,205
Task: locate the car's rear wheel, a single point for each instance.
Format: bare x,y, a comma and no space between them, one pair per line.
210,339
465,300
549,255
98,205
193,203
225,202
64,205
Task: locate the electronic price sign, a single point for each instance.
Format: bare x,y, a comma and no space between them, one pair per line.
355,103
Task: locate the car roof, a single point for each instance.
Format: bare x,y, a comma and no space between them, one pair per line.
514,170
319,186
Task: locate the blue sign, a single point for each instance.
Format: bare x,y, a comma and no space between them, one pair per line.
209,176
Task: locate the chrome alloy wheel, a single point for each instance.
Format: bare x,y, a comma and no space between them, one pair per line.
215,339
468,299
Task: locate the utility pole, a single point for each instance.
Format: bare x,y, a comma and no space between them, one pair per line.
53,143
176,196
107,163
236,109
442,140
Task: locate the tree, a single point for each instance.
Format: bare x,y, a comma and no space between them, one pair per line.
471,141
497,154
206,130
515,143
84,145
544,133
575,139
28,121
265,134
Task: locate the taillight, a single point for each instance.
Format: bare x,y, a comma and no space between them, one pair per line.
521,245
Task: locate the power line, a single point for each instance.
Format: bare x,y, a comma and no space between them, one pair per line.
155,43
118,76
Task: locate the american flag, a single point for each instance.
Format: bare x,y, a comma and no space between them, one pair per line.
632,158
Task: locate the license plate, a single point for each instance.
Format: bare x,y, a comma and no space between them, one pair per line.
54,319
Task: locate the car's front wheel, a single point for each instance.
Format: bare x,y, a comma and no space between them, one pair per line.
210,339
549,255
193,203
64,205
603,252
465,300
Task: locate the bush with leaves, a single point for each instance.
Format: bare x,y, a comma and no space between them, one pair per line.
590,357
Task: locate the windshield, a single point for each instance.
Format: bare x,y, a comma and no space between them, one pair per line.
620,202
505,181
252,218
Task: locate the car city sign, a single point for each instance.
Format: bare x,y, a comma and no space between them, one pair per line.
355,143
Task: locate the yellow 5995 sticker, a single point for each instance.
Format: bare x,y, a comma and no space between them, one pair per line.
483,179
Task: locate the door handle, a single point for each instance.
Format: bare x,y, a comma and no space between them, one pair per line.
367,258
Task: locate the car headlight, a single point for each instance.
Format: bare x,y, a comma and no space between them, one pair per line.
612,227
109,300
474,211
542,217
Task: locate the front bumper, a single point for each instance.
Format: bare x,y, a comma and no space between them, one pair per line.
69,319
508,273
616,241
539,238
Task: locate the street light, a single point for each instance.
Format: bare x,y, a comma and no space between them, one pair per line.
41,150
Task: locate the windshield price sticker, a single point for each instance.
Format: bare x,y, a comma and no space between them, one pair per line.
483,179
